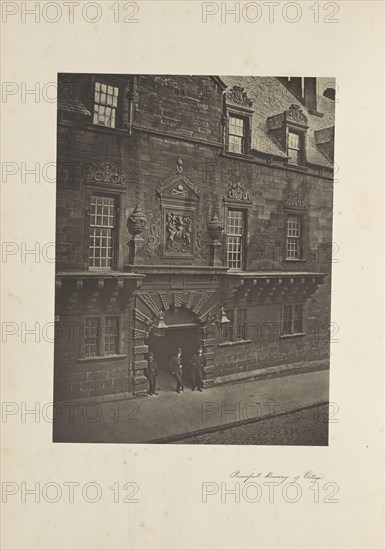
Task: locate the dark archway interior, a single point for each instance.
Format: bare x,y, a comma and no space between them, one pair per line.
182,332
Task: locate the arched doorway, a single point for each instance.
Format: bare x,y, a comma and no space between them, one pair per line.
182,332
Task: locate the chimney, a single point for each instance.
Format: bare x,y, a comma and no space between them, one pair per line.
329,93
310,93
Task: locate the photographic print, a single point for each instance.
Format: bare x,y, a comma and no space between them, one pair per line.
194,222
192,289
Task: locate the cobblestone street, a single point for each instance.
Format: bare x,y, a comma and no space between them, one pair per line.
304,427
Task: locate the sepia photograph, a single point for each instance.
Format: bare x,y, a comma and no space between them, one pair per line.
192,275
194,246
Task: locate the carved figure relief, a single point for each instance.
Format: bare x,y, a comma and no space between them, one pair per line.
179,197
178,225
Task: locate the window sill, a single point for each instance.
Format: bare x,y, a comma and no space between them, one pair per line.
232,154
237,343
99,358
300,260
107,129
292,335
296,166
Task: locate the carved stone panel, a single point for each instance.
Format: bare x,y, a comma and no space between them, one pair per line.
105,172
295,114
237,192
295,200
239,96
178,232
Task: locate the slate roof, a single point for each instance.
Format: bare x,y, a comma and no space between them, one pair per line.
68,88
270,97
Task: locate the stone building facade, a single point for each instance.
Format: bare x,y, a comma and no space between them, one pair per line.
190,210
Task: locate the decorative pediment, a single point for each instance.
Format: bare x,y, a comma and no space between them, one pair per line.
292,115
294,200
179,186
237,192
104,172
295,114
238,96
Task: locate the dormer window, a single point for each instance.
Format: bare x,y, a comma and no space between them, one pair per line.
289,129
237,134
294,149
238,117
105,104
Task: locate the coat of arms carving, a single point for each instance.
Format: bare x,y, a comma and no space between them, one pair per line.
179,197
178,225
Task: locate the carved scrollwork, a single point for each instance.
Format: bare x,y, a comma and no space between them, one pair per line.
202,247
151,248
237,192
294,200
237,94
104,172
296,114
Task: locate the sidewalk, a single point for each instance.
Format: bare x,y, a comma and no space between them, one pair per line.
172,415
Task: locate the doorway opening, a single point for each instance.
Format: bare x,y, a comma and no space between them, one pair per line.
164,348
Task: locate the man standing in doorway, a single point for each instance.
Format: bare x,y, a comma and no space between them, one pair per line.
175,365
198,364
151,373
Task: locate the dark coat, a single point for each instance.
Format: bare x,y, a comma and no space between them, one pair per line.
175,364
198,362
152,369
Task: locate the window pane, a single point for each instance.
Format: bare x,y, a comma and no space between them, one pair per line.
293,237
298,319
236,134
235,238
294,148
293,156
294,141
236,126
235,144
91,336
227,329
105,104
111,336
241,324
102,234
287,320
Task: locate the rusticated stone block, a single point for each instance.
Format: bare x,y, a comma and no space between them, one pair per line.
138,365
138,350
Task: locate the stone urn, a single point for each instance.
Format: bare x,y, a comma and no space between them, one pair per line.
136,222
215,228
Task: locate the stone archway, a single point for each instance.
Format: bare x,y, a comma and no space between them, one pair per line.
180,309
